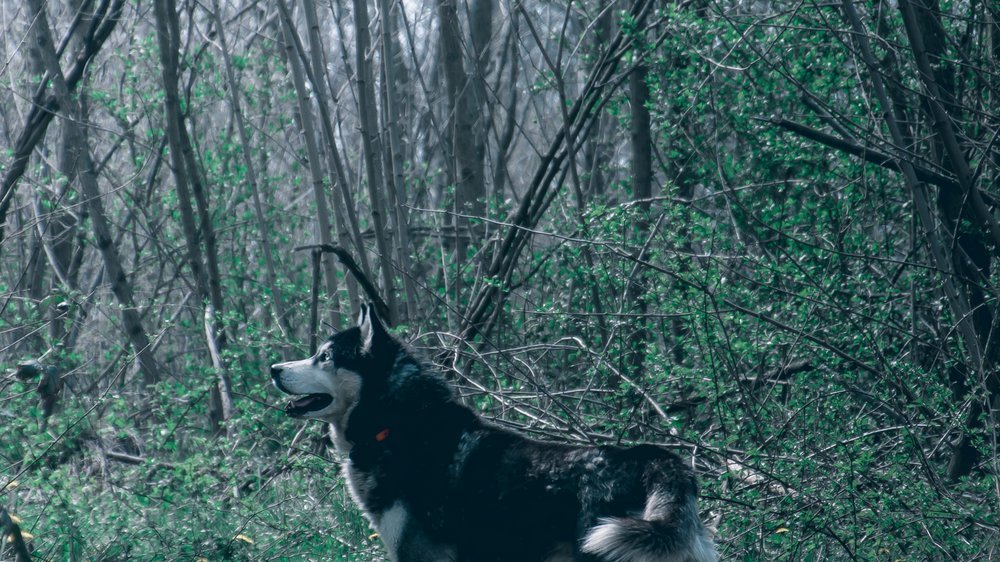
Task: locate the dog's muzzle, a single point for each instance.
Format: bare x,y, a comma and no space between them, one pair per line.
305,404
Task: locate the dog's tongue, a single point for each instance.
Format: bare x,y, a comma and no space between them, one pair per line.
310,403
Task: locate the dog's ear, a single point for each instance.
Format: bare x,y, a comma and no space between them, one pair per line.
372,330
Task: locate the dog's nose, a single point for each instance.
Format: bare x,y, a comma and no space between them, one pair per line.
275,370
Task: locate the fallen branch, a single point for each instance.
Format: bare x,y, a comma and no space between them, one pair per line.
123,457
780,374
132,459
347,259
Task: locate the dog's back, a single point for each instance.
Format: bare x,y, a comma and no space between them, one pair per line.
529,500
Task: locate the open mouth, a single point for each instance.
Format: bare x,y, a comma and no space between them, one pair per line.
311,403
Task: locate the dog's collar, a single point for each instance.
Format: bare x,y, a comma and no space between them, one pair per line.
365,453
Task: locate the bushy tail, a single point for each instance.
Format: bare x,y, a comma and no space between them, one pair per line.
668,531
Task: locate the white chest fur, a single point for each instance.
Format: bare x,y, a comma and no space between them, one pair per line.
391,524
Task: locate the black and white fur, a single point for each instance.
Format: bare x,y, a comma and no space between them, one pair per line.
438,483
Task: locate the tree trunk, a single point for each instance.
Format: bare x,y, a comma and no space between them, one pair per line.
372,148
187,179
225,383
131,320
940,250
964,211
396,187
166,34
466,130
642,189
44,107
348,231
277,301
594,95
316,174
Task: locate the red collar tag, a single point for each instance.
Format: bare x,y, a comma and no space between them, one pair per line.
382,435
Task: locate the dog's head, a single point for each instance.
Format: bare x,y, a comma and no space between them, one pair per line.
328,384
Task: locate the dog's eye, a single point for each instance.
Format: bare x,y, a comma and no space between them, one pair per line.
324,357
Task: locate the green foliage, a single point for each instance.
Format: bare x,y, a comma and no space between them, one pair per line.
192,496
675,321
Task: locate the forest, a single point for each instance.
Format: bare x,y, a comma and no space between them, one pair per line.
759,233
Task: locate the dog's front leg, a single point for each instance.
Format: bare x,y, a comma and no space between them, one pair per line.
406,541
415,546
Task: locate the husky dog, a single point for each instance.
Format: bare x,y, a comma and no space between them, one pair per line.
439,483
